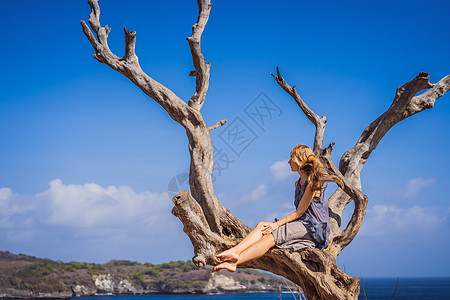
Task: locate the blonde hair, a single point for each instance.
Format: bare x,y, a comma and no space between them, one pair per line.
307,161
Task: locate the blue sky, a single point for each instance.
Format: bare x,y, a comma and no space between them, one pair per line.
86,157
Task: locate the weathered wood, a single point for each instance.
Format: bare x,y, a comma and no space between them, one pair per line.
211,227
315,271
404,105
202,68
319,122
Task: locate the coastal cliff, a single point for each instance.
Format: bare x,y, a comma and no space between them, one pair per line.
23,276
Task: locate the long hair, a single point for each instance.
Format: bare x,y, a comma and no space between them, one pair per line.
307,161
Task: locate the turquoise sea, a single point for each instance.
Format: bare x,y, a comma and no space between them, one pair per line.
375,288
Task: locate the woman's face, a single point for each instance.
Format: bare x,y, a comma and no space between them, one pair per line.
294,166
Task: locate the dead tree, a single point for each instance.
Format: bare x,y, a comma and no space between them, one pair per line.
210,226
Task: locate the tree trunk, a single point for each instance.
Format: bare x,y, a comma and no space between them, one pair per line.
210,226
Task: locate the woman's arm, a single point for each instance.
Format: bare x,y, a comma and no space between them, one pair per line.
301,208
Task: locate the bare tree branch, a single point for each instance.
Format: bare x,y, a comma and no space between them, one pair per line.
129,66
404,105
94,17
130,45
340,239
97,46
201,67
190,118
427,99
318,122
101,32
218,124
197,228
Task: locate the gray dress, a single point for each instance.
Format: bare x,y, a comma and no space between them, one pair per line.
310,230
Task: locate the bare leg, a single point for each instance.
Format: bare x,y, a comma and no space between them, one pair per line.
232,254
257,250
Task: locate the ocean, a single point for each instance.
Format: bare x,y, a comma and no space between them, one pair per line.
374,288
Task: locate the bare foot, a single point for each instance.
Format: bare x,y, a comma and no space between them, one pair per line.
229,266
227,256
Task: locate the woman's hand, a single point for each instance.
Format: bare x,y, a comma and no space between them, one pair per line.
268,228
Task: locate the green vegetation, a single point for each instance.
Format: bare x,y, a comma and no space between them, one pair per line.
28,256
125,263
36,275
182,265
171,269
251,272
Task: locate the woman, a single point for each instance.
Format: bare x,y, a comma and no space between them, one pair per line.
307,226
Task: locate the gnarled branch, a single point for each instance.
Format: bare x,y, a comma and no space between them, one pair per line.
404,105
202,68
190,118
318,122
129,66
205,241
340,239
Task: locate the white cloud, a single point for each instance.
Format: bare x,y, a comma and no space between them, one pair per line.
257,193
5,205
88,209
389,219
89,222
91,205
413,187
5,194
13,209
280,170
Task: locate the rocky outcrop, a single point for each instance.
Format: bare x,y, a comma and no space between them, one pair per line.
223,283
82,290
106,284
27,294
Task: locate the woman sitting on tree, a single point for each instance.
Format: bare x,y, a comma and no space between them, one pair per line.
307,227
